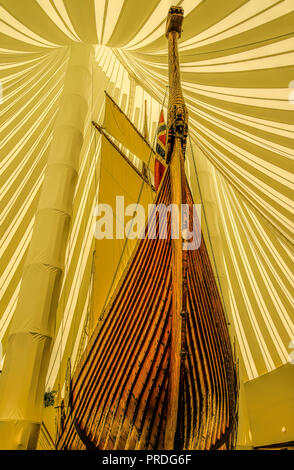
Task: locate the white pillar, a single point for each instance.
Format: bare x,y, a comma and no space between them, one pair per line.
22,382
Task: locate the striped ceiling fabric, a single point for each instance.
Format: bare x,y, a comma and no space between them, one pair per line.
238,81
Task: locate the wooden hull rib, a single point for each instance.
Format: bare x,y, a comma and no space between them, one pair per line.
122,395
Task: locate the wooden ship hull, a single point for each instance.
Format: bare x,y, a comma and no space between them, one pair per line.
158,371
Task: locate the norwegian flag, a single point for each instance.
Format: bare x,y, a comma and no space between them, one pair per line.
160,150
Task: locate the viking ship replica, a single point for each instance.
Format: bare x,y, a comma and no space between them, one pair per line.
158,371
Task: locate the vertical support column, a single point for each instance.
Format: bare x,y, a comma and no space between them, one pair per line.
31,333
174,154
131,97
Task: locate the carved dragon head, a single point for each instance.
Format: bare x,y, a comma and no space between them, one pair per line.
174,20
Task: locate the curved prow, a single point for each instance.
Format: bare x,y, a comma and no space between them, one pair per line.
174,20
177,121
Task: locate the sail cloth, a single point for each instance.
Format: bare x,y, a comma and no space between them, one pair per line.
122,129
117,178
160,150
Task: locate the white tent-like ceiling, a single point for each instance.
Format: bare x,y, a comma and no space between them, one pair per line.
237,72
